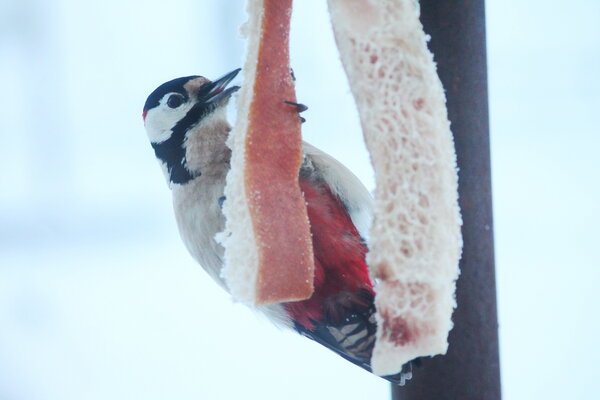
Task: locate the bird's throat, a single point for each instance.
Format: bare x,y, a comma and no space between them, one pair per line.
172,154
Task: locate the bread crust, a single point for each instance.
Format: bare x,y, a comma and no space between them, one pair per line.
269,154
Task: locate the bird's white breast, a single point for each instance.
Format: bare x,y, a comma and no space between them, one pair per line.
199,219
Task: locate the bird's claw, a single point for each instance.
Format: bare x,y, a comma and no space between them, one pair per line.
299,108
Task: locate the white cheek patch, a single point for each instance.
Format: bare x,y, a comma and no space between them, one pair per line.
161,120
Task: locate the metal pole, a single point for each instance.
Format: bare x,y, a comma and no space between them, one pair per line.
470,369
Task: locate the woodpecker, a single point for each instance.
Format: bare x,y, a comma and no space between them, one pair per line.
186,122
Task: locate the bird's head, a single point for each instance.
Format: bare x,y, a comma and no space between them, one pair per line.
183,102
176,108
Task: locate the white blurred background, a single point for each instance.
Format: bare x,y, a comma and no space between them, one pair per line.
98,297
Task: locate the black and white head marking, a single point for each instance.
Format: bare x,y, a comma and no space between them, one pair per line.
176,107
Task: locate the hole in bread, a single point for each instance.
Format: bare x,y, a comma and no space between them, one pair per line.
418,103
383,271
398,330
390,224
406,249
416,303
403,228
423,200
389,208
393,186
403,224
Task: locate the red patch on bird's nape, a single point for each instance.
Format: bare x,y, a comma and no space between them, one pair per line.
144,113
341,272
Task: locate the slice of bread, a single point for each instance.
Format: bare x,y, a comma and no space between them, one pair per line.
415,241
268,247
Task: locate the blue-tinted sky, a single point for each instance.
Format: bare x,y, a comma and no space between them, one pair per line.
98,297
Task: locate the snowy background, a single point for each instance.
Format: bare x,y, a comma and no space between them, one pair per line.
98,297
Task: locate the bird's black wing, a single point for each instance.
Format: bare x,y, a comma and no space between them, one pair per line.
353,339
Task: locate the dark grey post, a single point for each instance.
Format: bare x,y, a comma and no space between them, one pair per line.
471,368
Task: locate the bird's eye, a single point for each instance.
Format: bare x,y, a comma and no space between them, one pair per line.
175,100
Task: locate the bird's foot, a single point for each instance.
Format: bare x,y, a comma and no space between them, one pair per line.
299,108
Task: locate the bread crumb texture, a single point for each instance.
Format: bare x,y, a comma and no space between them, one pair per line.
416,242
241,250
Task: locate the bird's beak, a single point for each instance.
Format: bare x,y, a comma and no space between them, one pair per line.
216,91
